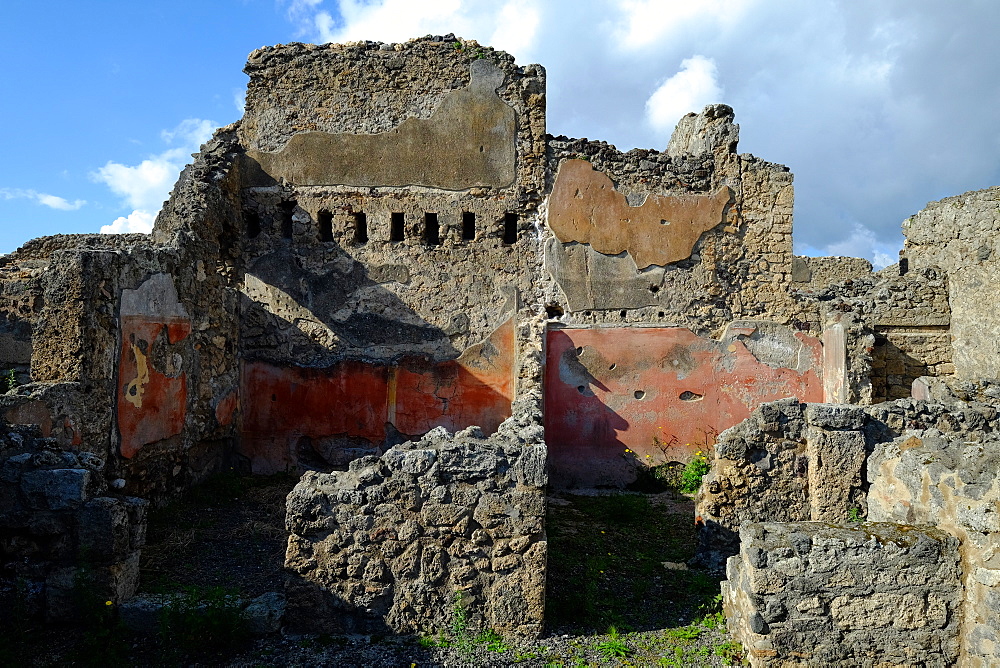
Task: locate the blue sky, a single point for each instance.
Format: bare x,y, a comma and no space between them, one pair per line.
877,107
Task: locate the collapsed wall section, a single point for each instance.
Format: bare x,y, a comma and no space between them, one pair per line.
793,462
899,325
404,541
64,532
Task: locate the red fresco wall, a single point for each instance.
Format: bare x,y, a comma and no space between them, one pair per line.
151,403
615,397
356,400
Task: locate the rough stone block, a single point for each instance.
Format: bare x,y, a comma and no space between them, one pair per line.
836,462
103,529
815,593
265,613
927,477
56,489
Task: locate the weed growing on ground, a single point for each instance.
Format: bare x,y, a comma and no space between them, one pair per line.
200,618
493,641
854,515
606,556
615,646
693,472
459,635
10,379
731,653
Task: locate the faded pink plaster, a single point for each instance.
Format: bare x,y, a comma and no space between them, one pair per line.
615,397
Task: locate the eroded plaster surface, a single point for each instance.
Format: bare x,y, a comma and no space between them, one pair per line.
620,398
585,207
152,386
296,416
467,142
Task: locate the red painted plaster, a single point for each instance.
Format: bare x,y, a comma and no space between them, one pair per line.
358,399
652,395
149,409
226,408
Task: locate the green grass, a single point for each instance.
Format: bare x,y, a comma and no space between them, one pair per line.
606,557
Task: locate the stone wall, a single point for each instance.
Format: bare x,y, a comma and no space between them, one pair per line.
388,235
695,242
793,462
811,274
787,462
65,534
613,409
949,481
718,244
959,236
399,542
815,593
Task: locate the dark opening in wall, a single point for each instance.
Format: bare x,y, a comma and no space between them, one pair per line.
287,209
468,226
432,230
325,220
553,310
509,228
253,223
396,227
360,228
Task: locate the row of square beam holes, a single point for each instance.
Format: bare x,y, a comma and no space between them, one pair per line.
397,230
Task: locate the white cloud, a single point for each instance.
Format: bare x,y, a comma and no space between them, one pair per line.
145,186
137,221
694,86
190,133
51,201
240,100
860,242
394,20
517,27
641,23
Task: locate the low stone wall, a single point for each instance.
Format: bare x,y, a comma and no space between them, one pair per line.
407,541
816,273
795,462
950,481
818,594
787,462
65,537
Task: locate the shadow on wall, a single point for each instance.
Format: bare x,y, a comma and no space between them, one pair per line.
894,368
322,611
310,403
580,427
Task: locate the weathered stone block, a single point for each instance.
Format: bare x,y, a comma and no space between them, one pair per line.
56,489
103,529
265,613
814,593
928,477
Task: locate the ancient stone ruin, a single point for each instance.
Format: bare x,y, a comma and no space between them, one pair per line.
387,277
